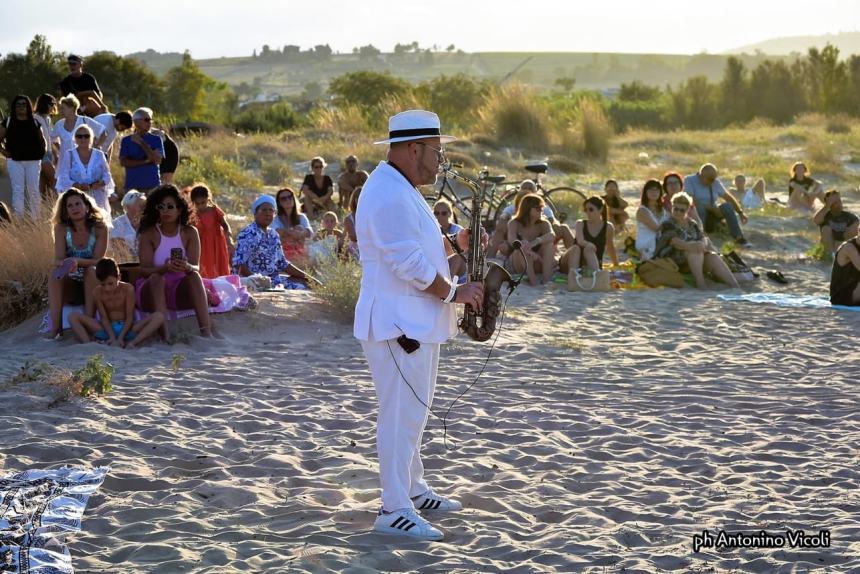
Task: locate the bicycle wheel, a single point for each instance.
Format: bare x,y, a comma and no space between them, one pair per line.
506,200
566,203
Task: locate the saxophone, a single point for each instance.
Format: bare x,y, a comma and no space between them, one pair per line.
480,327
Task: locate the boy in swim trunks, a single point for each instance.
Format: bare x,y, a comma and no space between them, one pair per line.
115,303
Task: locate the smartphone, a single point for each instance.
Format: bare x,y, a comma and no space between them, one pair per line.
176,253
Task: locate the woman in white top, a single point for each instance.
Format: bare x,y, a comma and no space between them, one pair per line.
65,128
46,106
86,168
649,217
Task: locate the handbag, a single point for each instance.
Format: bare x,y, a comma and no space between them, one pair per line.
662,272
743,273
599,281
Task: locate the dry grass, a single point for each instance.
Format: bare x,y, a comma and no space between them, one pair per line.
25,259
515,116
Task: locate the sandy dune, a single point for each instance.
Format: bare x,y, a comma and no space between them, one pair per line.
606,431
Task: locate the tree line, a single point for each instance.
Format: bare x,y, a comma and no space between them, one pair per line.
775,90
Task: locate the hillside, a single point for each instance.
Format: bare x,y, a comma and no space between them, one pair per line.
847,42
287,75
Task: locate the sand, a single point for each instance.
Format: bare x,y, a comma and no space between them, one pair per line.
606,431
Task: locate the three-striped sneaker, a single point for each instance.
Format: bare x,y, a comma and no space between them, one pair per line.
406,522
432,501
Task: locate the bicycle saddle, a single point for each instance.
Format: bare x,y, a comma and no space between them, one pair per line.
537,167
497,179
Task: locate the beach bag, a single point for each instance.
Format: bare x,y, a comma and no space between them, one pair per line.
599,281
662,272
743,273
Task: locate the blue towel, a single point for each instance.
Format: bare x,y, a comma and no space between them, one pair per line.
784,300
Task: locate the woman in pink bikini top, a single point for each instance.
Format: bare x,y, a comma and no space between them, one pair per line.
169,259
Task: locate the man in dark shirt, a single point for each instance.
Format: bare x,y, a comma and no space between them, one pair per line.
836,224
84,86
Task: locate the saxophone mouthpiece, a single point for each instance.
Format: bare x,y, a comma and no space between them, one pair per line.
516,245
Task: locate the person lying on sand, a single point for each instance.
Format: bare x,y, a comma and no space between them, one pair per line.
115,302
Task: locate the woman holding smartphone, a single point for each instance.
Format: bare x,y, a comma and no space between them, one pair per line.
169,259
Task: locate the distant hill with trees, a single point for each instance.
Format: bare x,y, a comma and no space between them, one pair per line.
847,43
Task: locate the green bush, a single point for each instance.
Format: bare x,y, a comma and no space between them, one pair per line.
266,117
638,114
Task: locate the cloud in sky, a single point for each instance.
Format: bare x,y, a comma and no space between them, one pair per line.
213,28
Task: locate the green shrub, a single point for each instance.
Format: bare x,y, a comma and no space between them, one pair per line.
638,114
94,377
265,117
215,170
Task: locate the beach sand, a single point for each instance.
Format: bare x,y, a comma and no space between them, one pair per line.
606,430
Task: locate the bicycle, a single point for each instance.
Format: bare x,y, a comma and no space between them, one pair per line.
460,197
565,202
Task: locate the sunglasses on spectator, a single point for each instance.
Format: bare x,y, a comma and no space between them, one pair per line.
166,207
82,136
441,213
286,197
144,119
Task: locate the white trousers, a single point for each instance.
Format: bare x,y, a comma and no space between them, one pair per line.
24,177
402,418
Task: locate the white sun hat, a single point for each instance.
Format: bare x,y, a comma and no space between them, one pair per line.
414,125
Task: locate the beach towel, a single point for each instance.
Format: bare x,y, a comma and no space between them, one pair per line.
785,300
227,291
38,508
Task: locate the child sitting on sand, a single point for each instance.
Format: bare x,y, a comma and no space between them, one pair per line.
115,303
328,240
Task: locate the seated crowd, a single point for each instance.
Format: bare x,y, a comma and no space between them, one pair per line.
171,243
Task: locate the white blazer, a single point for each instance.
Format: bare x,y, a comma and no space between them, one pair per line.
401,251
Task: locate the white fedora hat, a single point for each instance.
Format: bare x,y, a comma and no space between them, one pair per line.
414,125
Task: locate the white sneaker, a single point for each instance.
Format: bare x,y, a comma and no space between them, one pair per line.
406,522
432,501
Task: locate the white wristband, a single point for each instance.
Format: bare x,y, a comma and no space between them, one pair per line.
453,292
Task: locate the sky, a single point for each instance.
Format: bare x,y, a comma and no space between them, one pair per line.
214,28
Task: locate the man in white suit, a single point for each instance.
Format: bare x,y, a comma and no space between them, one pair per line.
405,311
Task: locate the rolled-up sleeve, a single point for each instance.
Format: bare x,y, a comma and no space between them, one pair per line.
399,241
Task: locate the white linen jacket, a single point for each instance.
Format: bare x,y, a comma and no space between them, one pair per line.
402,250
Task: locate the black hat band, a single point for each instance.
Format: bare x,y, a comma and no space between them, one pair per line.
414,132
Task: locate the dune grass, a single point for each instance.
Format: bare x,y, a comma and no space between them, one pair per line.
25,259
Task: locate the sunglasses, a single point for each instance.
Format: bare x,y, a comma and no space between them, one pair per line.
82,136
441,213
144,119
287,197
440,153
166,207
